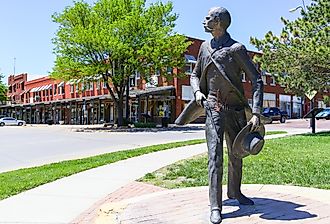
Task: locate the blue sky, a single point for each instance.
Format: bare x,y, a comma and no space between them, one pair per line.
26,27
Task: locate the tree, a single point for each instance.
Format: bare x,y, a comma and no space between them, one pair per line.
113,39
300,56
3,90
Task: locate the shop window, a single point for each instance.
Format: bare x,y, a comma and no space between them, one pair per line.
88,86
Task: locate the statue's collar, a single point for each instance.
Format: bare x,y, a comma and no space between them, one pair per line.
218,43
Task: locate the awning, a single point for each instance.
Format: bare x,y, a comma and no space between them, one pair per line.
42,88
48,86
190,58
33,89
152,91
23,92
61,84
37,89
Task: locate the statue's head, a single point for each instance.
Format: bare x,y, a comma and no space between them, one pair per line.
217,18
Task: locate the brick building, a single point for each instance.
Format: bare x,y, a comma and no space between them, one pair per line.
44,99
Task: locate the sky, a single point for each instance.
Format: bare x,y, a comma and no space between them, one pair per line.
26,27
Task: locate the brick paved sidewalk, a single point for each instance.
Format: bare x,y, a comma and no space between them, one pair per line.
273,204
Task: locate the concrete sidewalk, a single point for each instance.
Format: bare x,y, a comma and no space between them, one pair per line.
62,201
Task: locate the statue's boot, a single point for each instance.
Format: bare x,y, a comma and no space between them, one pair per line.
242,199
215,216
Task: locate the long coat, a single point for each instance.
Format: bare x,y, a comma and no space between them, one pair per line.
232,58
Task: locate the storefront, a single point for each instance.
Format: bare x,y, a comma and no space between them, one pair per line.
269,100
285,104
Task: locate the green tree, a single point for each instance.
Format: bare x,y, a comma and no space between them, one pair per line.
326,100
113,39
300,56
3,90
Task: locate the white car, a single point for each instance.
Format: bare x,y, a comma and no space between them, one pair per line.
11,121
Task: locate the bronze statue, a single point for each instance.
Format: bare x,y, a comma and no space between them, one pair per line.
218,90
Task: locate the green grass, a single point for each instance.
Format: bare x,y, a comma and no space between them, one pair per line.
17,181
302,160
276,132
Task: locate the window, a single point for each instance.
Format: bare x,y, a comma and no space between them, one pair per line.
71,88
169,70
132,82
55,89
264,79
98,84
88,86
91,86
104,85
137,75
272,81
77,87
188,68
243,77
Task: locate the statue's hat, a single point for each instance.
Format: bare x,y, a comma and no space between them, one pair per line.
249,142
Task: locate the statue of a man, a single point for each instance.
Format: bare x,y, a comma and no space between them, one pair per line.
216,82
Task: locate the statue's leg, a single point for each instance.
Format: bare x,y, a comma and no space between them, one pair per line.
235,121
215,157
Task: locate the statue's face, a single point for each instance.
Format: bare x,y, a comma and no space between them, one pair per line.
210,23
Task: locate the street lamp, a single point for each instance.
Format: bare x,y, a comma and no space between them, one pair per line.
295,9
303,7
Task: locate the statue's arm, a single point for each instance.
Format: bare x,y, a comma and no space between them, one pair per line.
197,72
243,59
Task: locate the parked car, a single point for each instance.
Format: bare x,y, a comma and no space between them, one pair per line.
323,114
11,121
275,114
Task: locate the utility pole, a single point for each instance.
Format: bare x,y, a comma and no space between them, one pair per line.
14,65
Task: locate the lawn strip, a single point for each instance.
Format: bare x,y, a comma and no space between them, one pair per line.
17,181
276,132
301,160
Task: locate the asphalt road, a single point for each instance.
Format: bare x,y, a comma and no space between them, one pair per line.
36,145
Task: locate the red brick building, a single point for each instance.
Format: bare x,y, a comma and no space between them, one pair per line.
76,102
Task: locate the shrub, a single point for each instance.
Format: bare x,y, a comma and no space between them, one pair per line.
145,125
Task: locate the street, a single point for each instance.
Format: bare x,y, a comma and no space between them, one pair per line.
36,145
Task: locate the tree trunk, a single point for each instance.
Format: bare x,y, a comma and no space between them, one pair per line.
120,112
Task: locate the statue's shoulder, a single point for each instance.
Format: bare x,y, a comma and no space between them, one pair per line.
237,47
205,45
205,48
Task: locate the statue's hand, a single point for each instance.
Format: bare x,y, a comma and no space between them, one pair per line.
199,97
255,121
